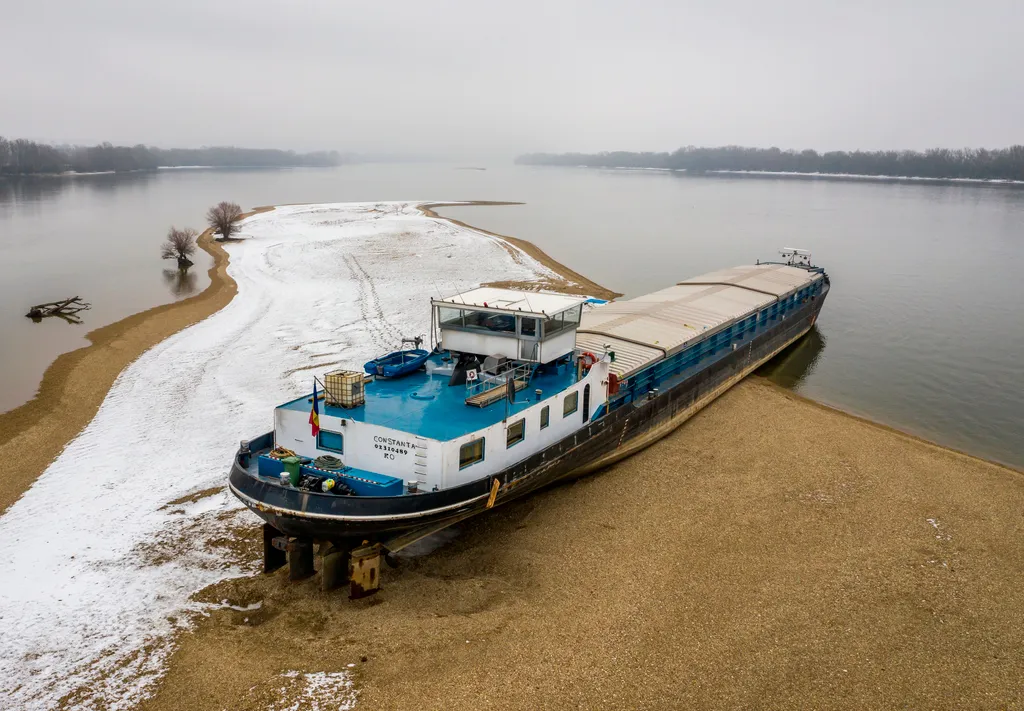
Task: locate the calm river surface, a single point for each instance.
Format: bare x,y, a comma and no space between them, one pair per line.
923,328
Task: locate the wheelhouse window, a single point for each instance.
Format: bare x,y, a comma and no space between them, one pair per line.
553,325
490,321
471,452
528,326
515,433
573,315
559,322
450,317
570,403
545,416
333,441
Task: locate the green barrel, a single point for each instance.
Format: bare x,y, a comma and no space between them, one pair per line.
291,465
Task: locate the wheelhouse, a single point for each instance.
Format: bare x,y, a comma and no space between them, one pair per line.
533,327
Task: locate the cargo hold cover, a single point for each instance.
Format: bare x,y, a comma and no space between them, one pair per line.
648,328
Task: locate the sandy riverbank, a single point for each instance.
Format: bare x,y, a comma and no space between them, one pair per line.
789,541
771,553
136,502
74,385
571,282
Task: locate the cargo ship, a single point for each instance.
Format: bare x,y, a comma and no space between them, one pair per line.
518,390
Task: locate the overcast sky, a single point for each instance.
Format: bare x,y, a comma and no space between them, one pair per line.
490,79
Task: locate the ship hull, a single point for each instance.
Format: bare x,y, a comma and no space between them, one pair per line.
606,440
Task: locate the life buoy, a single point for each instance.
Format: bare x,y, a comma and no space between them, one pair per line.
588,359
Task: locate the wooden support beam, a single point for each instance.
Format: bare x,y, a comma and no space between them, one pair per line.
300,558
274,556
333,567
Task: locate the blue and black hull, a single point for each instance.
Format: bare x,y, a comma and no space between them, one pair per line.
637,421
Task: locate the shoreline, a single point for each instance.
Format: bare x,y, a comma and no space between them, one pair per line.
473,581
788,538
790,175
314,283
574,282
889,429
75,384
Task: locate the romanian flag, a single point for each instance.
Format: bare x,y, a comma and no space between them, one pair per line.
314,415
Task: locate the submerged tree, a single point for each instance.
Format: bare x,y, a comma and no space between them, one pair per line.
180,245
222,218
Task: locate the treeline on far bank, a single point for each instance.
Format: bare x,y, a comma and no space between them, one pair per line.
23,157
938,163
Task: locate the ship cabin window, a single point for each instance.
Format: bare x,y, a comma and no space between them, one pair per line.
570,403
332,441
488,321
471,452
476,320
515,433
545,416
450,317
569,318
528,326
553,325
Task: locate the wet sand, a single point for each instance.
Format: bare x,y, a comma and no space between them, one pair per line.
770,553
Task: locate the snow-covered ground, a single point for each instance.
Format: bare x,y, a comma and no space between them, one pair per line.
98,565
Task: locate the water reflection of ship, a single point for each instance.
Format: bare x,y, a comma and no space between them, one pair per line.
793,366
181,282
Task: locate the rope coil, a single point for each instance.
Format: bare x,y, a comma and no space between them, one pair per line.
328,462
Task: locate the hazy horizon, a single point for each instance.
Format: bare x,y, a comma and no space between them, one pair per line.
461,81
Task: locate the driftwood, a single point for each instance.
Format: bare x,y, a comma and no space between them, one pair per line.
65,309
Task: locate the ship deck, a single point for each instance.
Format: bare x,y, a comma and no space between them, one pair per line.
423,404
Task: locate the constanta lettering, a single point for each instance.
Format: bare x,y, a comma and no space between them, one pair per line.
390,444
394,442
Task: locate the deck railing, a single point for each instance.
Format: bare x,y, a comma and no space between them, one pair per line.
488,381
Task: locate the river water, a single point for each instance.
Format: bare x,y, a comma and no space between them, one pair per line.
923,328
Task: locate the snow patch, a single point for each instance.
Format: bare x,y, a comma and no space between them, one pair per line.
317,691
99,565
939,533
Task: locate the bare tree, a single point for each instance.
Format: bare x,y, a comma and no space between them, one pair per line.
180,245
222,218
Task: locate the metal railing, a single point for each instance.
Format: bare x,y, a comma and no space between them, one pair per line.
488,381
